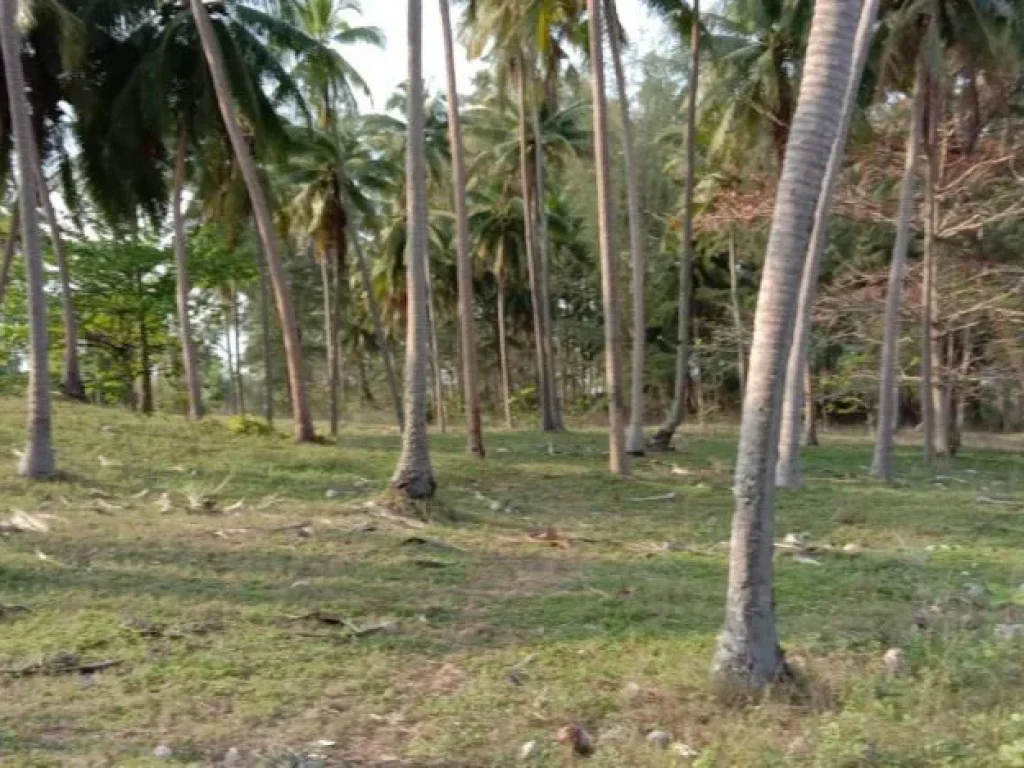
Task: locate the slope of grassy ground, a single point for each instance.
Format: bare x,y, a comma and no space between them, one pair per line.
253,597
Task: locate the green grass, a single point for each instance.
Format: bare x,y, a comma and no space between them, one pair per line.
613,624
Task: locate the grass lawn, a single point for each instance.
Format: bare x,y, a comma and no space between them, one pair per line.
253,595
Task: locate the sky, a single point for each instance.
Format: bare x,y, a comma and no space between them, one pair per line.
385,69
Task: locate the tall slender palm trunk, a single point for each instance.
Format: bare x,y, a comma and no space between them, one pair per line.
662,439
635,439
435,355
544,257
810,436
236,330
183,287
301,413
737,315
930,339
506,384
268,367
798,374
8,256
71,372
749,657
414,475
533,267
378,324
618,458
467,325
327,267
882,463
145,363
38,459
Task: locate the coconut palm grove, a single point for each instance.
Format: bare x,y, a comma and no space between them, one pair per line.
635,384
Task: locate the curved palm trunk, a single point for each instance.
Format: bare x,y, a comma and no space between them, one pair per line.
881,463
544,255
748,657
662,439
38,461
414,475
8,256
618,459
533,267
467,329
506,385
635,438
798,374
378,323
71,385
301,414
183,286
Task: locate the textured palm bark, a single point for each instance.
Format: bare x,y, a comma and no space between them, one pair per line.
464,264
414,475
301,414
635,438
882,463
544,258
737,315
618,458
798,376
38,459
748,657
183,286
662,439
72,385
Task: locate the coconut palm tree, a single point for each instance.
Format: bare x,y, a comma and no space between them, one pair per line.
467,330
38,460
414,475
798,374
748,656
635,439
211,46
683,19
618,459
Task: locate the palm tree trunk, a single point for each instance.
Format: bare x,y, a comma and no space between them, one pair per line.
71,385
958,396
635,438
749,657
414,475
9,248
378,324
435,355
268,370
193,389
928,342
145,364
881,463
544,255
618,459
548,423
304,431
467,326
737,315
330,334
236,328
38,460
506,384
787,473
662,439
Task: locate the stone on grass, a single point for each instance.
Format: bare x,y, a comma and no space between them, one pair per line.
684,750
529,750
659,739
631,691
895,663
332,493
852,549
232,758
163,752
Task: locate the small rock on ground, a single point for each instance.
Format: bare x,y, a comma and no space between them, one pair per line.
163,752
529,750
659,739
